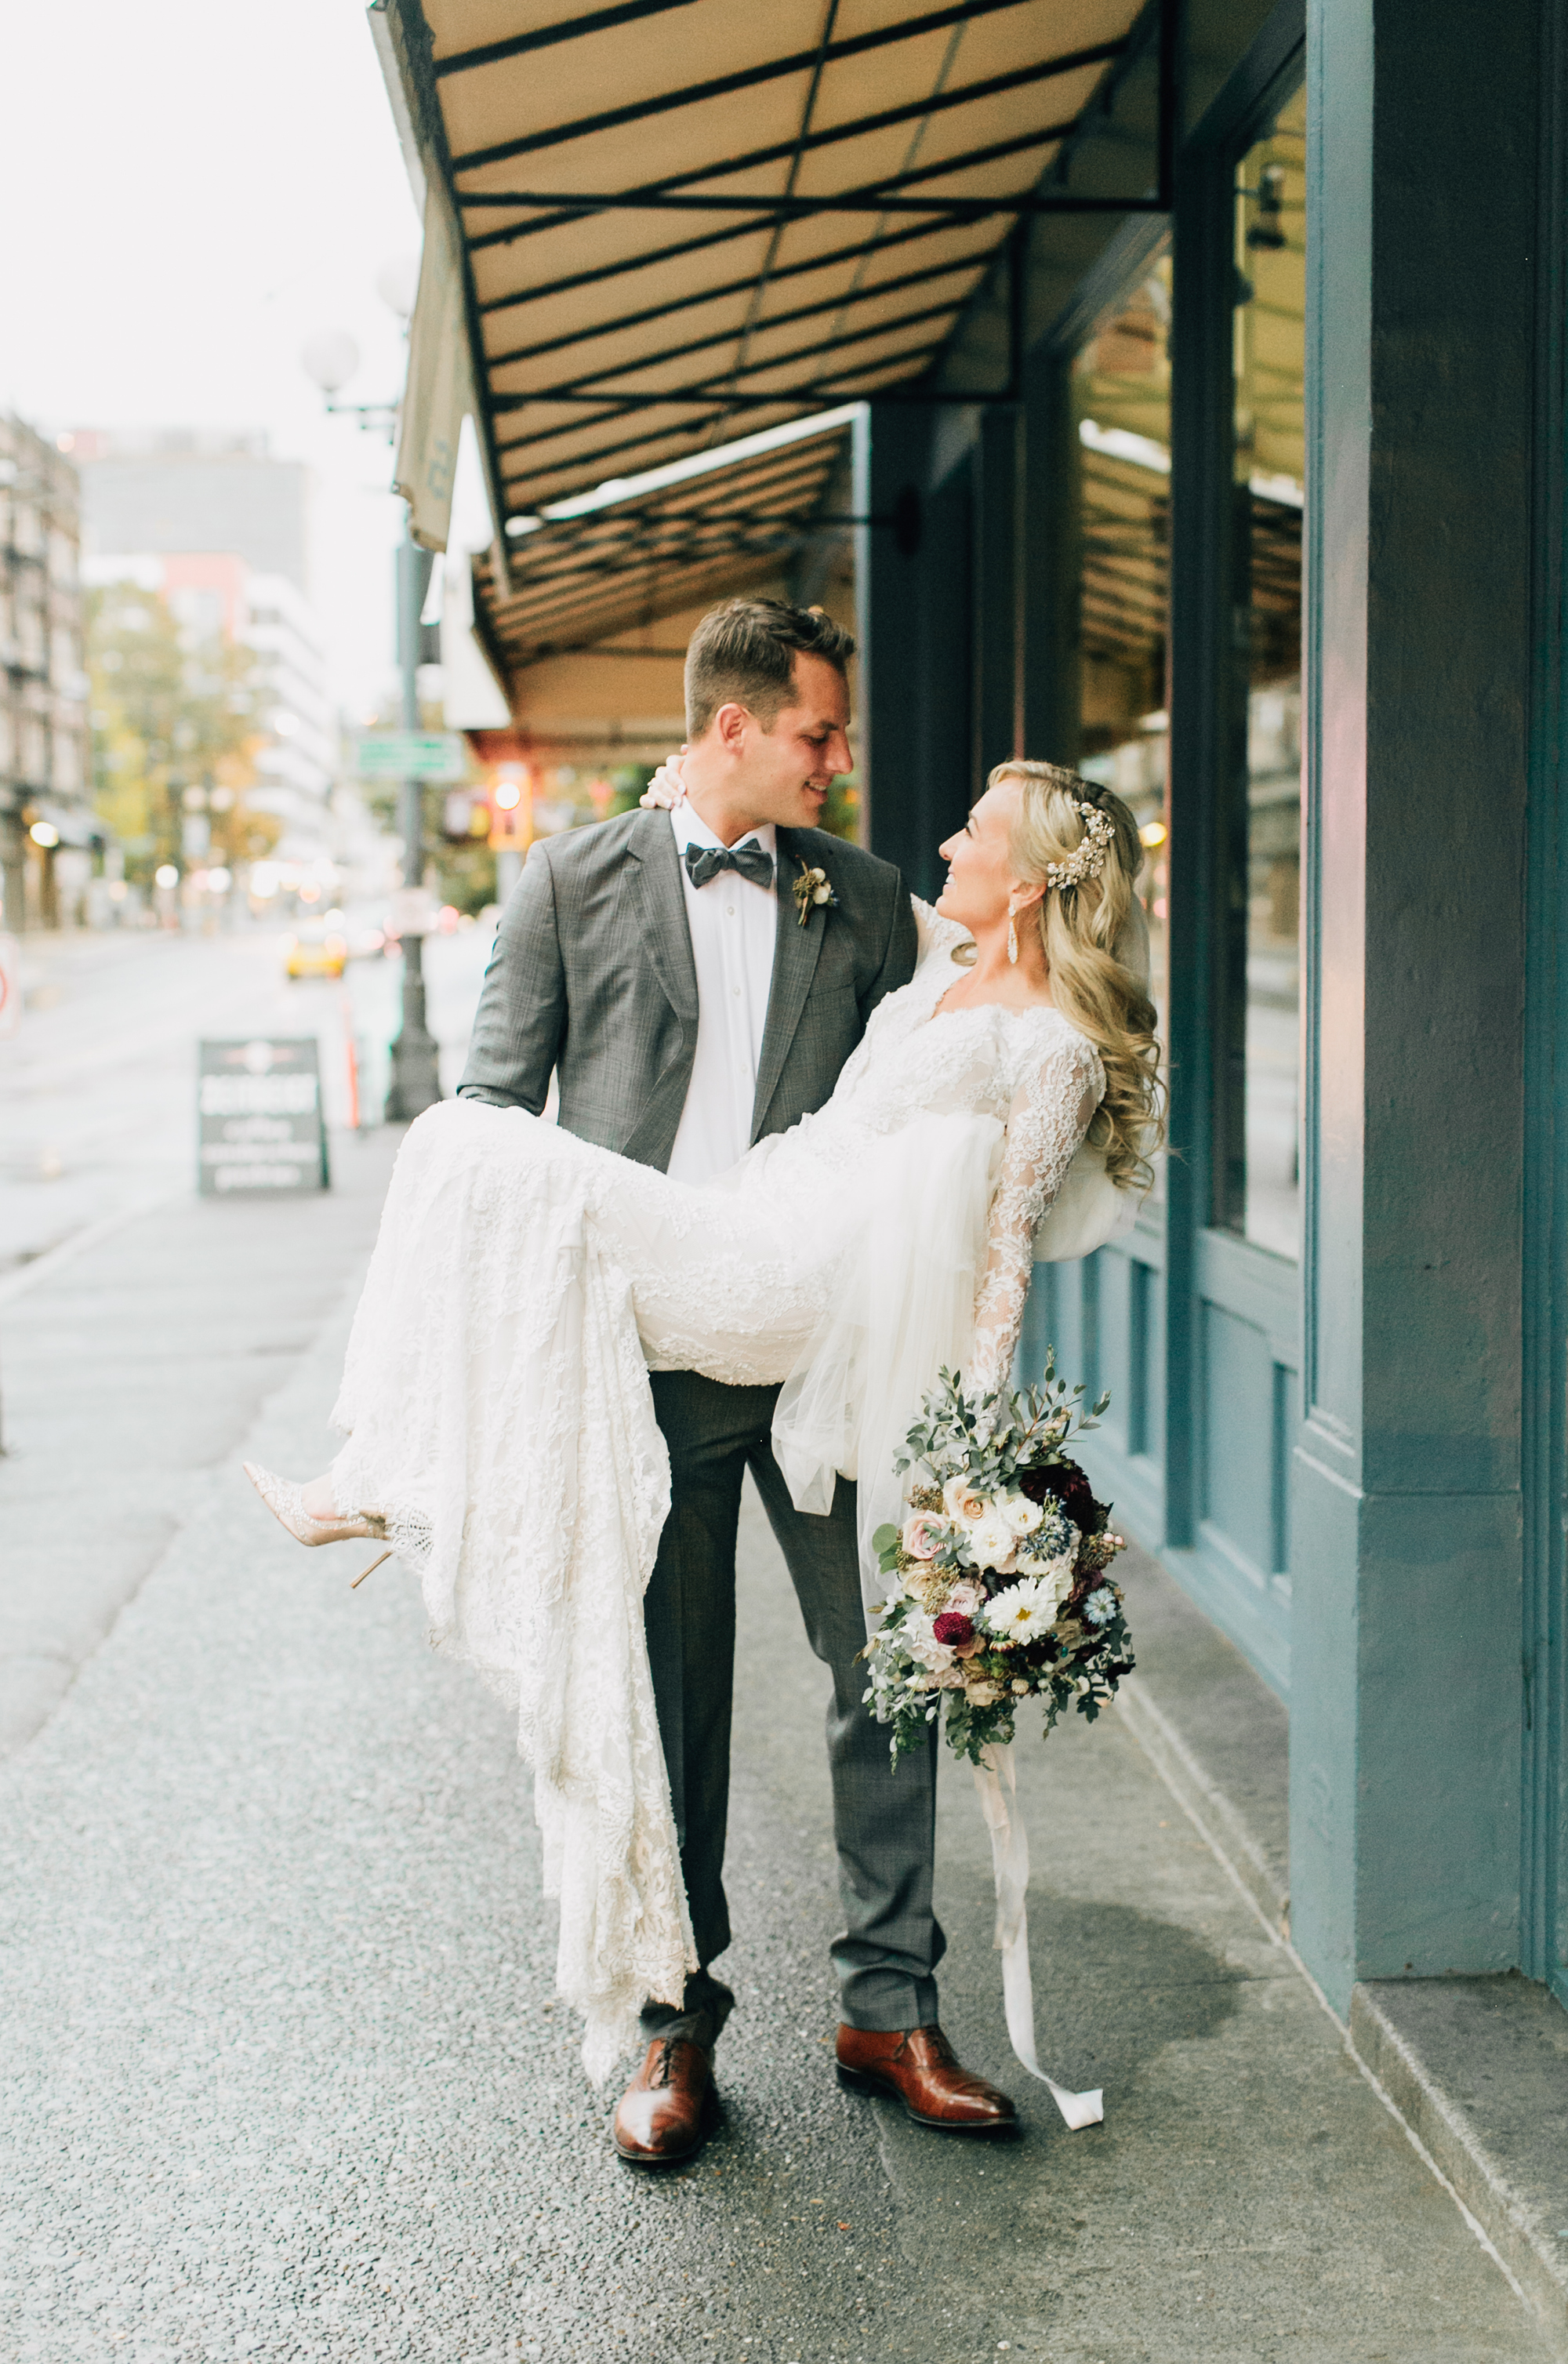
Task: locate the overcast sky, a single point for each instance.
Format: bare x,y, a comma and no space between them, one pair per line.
187,189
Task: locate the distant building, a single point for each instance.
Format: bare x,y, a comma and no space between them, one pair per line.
47,827
176,489
220,529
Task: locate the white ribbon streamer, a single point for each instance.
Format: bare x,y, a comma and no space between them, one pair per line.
996,1780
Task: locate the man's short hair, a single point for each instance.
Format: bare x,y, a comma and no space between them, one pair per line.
743,653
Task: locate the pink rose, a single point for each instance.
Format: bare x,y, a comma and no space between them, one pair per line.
923,1536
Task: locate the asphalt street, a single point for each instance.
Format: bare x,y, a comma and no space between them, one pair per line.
99,1091
282,2076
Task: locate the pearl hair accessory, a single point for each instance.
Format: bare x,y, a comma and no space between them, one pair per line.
1089,859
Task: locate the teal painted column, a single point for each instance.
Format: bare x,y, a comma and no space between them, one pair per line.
1406,1694
915,617
888,457
998,610
1050,561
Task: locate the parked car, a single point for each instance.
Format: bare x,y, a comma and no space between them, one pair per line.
315,950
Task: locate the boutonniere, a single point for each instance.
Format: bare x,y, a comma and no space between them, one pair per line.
811,888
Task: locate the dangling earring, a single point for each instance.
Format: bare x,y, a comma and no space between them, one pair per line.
1012,938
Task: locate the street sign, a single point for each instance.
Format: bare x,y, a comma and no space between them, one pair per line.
413,913
259,1115
411,755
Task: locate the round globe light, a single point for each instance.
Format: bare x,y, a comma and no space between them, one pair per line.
165,875
397,284
330,358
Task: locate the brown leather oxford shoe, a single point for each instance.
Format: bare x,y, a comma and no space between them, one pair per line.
917,2065
663,2112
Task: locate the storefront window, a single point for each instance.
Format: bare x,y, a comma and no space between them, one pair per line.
1263,1202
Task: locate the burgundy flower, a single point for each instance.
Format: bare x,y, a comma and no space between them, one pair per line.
951,1628
1067,1482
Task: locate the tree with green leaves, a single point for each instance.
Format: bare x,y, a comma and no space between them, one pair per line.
170,713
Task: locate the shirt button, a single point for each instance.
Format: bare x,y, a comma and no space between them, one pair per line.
729,910
736,990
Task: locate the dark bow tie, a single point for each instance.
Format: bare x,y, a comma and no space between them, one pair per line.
752,860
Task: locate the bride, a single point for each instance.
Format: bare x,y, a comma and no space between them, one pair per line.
500,1424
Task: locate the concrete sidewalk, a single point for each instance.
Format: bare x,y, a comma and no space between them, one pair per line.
281,2073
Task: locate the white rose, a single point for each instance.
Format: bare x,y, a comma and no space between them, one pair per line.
923,1645
1022,1515
992,1542
1056,1576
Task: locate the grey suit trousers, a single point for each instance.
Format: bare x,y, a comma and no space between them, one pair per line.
883,1822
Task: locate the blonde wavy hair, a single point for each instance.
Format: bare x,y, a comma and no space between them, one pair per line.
1088,931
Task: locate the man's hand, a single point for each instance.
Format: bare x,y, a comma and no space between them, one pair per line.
666,788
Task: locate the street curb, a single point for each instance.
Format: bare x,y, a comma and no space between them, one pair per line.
1184,1776
1435,2124
44,1267
1537,2261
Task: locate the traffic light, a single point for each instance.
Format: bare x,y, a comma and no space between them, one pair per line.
511,811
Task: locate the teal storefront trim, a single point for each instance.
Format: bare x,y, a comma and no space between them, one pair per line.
1106,1320
1543,1870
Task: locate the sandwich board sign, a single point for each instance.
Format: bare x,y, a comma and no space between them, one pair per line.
259,1108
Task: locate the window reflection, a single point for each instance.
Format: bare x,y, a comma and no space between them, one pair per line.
1264,1200
1121,383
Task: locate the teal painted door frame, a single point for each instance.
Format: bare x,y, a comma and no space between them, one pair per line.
1544,1874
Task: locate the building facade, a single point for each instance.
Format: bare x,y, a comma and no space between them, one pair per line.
1268,533
47,828
219,529
1211,417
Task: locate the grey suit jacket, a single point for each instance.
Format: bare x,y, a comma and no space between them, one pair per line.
593,978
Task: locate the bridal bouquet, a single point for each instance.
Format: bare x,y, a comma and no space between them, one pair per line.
999,1588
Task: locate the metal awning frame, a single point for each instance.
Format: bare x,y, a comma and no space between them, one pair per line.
1158,27
667,543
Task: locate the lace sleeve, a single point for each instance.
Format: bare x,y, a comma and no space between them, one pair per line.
1049,1117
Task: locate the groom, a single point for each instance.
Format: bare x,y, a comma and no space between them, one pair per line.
659,967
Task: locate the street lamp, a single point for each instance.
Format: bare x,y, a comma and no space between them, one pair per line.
330,358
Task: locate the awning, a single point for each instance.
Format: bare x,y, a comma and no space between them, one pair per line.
676,539
681,219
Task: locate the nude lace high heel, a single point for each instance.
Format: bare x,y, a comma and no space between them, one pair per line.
286,1502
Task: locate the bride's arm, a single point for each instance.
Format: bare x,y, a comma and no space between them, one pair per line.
1049,1116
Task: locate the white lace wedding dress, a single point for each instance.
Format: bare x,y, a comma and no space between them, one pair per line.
498,1411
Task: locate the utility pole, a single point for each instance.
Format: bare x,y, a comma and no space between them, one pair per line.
416,1073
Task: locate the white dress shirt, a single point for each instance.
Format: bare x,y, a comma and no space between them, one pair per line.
734,927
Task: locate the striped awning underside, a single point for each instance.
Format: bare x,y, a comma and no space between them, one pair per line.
576,581
682,220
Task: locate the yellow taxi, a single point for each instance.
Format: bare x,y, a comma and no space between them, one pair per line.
316,949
